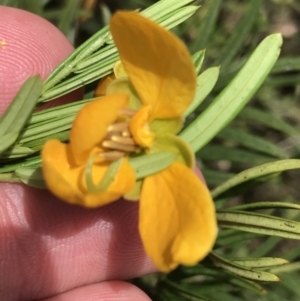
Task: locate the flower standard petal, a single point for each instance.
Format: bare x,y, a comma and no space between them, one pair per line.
157,62
60,174
177,218
91,123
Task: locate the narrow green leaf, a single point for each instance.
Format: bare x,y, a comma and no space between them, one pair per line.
68,15
46,128
30,162
215,177
260,262
220,275
58,111
219,152
241,270
266,205
205,83
33,6
287,64
258,223
31,176
288,268
284,80
258,116
165,7
198,59
7,140
97,57
208,24
229,237
16,152
37,144
181,290
240,33
235,96
21,107
82,52
246,139
9,177
248,284
268,245
179,16
77,81
256,172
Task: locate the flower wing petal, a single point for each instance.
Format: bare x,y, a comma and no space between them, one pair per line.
91,123
157,63
61,178
177,218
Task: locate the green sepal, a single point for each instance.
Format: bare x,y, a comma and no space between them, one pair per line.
177,146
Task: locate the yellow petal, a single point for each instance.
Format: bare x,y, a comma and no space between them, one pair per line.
122,183
177,218
157,63
140,129
103,84
91,123
61,177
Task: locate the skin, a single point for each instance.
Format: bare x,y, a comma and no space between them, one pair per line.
50,250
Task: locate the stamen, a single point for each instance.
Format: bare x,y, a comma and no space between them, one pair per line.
126,134
123,140
119,146
112,156
128,112
118,127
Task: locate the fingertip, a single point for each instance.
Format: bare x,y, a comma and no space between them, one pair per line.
29,45
105,291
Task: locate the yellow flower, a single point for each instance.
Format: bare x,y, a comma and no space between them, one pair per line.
141,113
